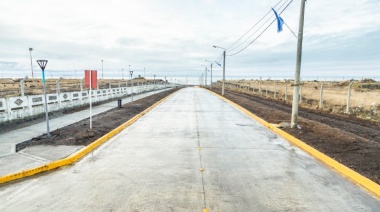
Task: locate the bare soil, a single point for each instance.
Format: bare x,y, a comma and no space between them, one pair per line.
80,133
351,141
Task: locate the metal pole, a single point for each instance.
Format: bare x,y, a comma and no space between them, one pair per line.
102,70
349,97
90,99
31,64
224,71
294,119
321,97
211,78
131,87
205,76
22,85
46,107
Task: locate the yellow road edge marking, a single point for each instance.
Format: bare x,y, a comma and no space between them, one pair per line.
329,162
79,154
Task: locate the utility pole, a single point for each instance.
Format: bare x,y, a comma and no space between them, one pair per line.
211,73
224,71
31,64
205,76
102,70
224,66
296,91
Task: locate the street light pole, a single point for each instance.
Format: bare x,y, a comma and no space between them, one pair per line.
31,63
102,70
224,67
42,64
205,75
154,83
296,90
131,73
211,74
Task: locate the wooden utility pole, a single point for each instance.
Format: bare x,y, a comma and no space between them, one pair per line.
296,90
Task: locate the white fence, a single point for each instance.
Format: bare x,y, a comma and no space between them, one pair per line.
19,107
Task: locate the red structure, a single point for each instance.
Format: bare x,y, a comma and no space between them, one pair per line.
94,79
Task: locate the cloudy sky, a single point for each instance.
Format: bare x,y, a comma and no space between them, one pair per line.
173,37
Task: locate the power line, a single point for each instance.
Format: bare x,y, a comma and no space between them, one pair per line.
270,11
253,26
261,32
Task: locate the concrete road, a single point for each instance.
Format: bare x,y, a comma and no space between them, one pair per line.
192,152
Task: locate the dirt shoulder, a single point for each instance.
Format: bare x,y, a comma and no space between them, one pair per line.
80,133
353,142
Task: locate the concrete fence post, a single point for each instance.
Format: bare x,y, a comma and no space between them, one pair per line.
22,85
266,89
286,90
58,91
321,96
275,90
349,97
300,101
260,90
81,85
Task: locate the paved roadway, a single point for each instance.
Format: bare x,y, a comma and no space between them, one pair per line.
155,165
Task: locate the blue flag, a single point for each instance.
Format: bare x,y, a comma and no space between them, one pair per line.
280,22
218,64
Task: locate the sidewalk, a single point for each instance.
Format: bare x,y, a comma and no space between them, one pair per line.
11,161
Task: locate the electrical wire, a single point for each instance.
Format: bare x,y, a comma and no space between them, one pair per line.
253,26
261,32
270,11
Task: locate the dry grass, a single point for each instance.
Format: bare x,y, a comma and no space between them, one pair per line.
365,96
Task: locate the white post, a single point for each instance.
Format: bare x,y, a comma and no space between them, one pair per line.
58,94
275,89
300,92
294,118
260,90
81,85
321,97
349,97
90,99
224,71
286,90
22,85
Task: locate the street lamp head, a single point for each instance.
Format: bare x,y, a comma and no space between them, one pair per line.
219,47
30,49
42,64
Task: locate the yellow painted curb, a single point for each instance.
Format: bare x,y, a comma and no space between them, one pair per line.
79,154
340,168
